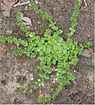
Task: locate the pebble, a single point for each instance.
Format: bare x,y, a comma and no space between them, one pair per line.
31,77
36,2
74,71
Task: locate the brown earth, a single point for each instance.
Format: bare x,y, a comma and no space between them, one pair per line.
20,71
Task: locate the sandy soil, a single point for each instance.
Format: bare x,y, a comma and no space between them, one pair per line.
20,71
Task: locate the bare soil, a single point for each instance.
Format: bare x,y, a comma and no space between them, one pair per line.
20,71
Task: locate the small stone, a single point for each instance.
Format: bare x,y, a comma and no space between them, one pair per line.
53,81
36,2
31,77
39,22
74,71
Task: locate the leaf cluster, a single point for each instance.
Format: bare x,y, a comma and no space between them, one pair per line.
50,49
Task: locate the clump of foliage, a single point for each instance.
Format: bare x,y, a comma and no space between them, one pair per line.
50,49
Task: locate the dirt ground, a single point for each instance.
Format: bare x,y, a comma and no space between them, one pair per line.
16,72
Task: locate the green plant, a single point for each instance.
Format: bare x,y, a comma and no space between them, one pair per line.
74,18
50,49
87,44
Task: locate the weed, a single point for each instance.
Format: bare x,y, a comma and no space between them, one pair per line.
50,49
74,18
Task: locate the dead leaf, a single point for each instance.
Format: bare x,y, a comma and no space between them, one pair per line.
6,6
9,32
27,21
87,53
40,94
